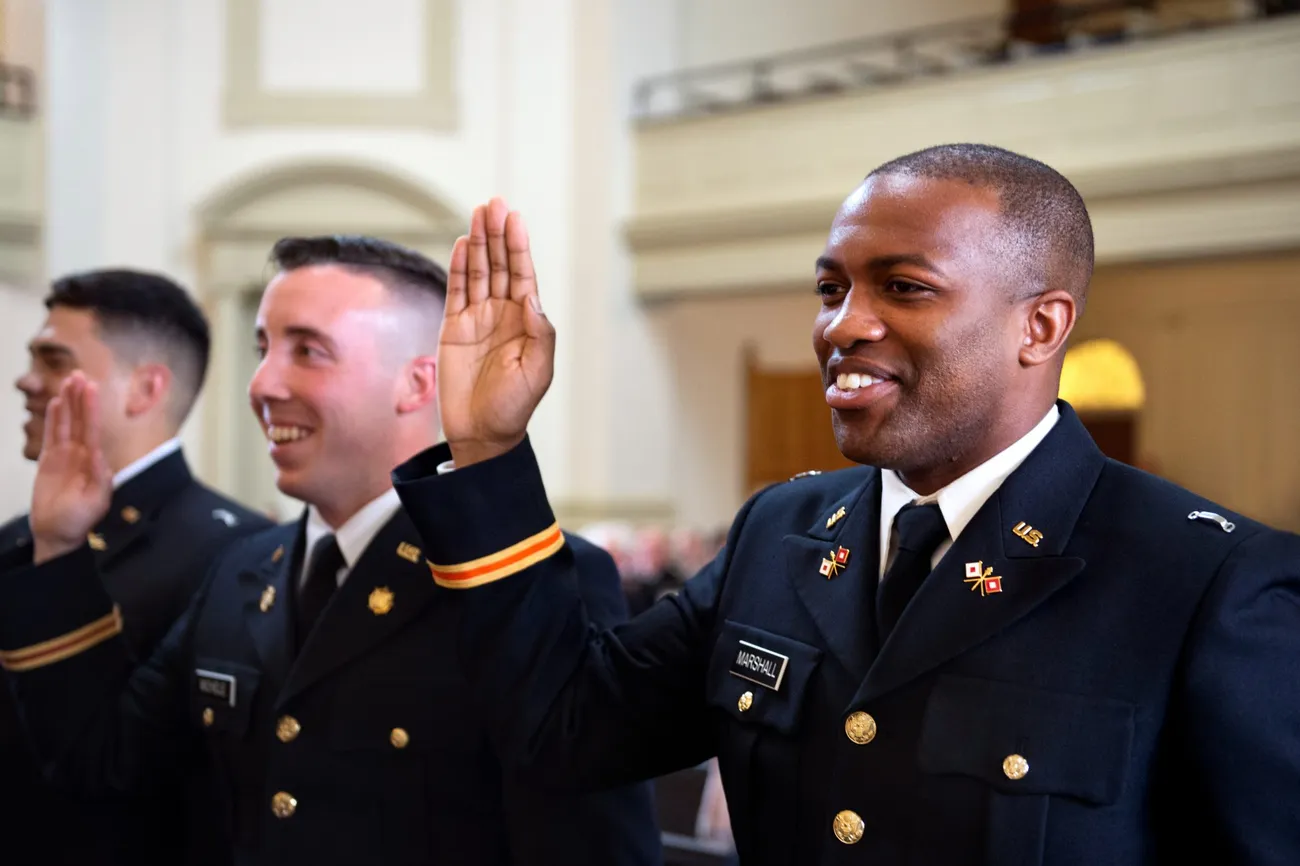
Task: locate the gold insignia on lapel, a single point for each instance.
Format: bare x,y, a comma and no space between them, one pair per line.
1027,534
96,541
268,599
381,600
836,517
131,514
834,561
842,556
982,578
279,554
409,552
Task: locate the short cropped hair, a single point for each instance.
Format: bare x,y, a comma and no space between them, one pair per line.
1049,230
140,316
401,270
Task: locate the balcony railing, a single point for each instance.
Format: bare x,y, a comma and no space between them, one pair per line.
882,61
17,92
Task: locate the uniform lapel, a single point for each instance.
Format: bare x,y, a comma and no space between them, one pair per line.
268,599
841,602
954,610
136,505
387,588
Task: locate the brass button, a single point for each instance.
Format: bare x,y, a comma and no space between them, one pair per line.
208,717
399,738
283,805
287,729
849,827
746,701
1015,766
860,727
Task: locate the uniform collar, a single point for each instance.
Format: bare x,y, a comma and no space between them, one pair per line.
961,499
355,535
171,446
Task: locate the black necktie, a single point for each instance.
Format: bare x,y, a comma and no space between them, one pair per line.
919,530
318,588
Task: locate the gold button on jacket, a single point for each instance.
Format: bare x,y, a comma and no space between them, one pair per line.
1015,766
287,729
746,701
208,717
399,738
849,827
860,727
283,805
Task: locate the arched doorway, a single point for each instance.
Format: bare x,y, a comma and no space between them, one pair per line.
237,227
1101,380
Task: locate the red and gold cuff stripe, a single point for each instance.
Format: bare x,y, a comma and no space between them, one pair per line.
504,563
63,647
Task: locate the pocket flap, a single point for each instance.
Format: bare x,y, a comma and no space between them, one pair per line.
1071,745
760,677
222,694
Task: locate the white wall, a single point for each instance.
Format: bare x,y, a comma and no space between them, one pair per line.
21,313
138,143
718,31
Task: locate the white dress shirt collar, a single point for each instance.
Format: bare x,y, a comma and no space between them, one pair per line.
962,499
355,535
171,446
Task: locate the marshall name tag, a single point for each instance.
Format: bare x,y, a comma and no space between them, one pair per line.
759,665
219,686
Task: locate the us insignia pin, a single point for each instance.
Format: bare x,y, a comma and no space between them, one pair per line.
408,551
1027,534
836,517
96,541
268,599
279,554
381,600
982,578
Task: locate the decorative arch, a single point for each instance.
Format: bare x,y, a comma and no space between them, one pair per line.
237,225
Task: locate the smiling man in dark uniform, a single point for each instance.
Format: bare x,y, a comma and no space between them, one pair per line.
988,644
144,342
318,668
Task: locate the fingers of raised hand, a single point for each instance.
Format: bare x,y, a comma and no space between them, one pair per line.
523,280
498,262
457,277
477,268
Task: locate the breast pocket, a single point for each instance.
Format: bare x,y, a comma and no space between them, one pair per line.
221,696
759,678
1026,741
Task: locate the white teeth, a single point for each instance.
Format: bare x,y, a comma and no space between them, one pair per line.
286,434
854,381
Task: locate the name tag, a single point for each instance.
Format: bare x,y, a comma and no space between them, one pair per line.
219,686
759,665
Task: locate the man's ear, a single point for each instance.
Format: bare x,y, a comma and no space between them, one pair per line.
419,385
1048,323
149,386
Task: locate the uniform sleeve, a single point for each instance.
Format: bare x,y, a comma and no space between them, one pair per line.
95,723
1240,713
579,705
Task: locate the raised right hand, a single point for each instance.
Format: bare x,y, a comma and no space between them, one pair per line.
73,485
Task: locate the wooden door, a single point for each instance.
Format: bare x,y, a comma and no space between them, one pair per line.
788,427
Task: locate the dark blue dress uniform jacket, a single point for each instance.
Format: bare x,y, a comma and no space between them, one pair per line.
362,749
158,538
1130,696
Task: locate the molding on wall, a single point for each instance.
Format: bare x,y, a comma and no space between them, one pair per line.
246,103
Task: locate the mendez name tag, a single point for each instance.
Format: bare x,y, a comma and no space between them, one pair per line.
759,665
219,686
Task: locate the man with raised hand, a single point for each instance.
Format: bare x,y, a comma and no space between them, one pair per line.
988,644
318,668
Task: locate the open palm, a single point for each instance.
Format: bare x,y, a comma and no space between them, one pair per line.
496,353
73,484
